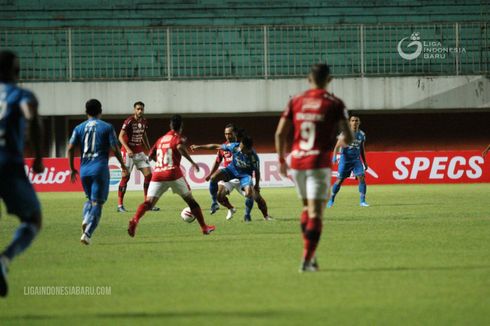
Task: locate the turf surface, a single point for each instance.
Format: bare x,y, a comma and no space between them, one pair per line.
420,255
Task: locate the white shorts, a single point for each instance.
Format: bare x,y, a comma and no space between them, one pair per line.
179,187
233,184
140,160
312,184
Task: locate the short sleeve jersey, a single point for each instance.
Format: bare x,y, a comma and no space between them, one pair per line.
353,151
135,131
315,115
224,156
12,122
168,157
95,138
241,162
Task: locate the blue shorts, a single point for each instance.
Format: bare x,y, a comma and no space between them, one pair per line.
245,179
17,192
345,168
96,187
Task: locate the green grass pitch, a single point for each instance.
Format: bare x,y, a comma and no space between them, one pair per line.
420,255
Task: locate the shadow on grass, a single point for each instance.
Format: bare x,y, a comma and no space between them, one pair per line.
158,314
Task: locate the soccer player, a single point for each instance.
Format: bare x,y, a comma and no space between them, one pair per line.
315,117
134,141
17,108
485,151
225,188
245,162
167,153
96,138
350,162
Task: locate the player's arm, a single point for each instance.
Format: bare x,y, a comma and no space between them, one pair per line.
207,146
336,150
116,150
485,152
347,136
282,132
183,151
363,156
29,109
146,142
257,176
71,158
122,140
215,167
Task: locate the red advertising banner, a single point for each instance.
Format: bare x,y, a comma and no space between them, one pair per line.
384,168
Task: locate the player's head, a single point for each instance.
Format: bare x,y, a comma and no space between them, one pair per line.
176,123
319,75
239,133
246,144
354,122
93,107
9,66
139,109
230,132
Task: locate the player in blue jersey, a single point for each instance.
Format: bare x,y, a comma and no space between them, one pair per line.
244,164
18,107
96,138
350,161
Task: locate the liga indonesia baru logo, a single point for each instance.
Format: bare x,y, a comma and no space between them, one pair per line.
428,49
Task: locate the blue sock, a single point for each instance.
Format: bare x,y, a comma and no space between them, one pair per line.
23,237
335,189
86,211
249,203
213,190
362,190
94,218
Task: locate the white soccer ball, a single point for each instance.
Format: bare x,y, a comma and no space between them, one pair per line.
187,215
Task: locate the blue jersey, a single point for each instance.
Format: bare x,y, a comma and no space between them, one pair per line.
12,122
242,163
95,138
353,151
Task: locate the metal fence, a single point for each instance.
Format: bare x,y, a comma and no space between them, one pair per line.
82,54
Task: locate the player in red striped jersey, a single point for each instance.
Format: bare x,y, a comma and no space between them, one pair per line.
134,142
315,117
167,153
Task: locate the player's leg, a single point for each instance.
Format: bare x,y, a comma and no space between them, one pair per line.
220,175
143,164
359,173
155,190
262,205
98,196
123,184
182,188
225,189
343,172
21,200
246,184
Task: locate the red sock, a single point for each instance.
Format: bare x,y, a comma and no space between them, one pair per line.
225,202
312,237
122,189
197,212
146,184
262,205
141,211
304,221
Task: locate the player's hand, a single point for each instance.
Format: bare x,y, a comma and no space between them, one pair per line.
366,167
283,169
208,177
130,153
194,147
37,165
196,167
73,175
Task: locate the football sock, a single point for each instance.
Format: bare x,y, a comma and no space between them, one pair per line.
141,211
197,212
213,190
23,237
86,211
335,189
122,189
362,190
225,202
95,214
146,184
304,221
249,203
262,205
312,235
